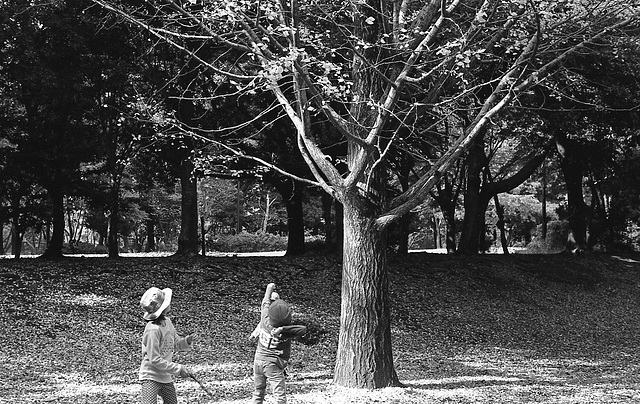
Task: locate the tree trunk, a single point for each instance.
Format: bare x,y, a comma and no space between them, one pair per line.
239,209
16,238
364,358
449,217
188,242
572,169
543,230
435,228
480,190
113,244
471,225
267,208
54,248
446,198
203,241
295,223
500,225
291,193
403,234
405,221
151,235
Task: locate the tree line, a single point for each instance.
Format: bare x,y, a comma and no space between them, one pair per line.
381,105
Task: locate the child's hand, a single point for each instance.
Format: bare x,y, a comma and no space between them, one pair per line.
276,331
255,334
184,372
189,339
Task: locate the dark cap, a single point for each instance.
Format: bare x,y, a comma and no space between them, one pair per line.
279,313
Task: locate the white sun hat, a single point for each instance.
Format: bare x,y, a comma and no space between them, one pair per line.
154,302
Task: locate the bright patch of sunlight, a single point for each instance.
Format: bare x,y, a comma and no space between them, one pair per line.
92,300
86,389
462,379
227,366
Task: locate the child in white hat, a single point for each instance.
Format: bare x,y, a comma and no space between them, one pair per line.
274,334
159,342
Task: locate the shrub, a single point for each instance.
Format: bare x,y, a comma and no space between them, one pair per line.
555,242
248,242
84,248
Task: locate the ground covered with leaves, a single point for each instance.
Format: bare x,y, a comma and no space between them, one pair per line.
490,329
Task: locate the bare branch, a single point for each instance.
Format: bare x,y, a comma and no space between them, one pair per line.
492,106
161,34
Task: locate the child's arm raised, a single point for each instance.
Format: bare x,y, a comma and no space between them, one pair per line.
267,292
264,305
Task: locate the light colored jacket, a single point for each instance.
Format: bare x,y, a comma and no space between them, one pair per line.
159,342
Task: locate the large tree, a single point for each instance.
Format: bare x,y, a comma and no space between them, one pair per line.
362,63
45,54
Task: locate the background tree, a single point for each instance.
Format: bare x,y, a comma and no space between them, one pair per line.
50,84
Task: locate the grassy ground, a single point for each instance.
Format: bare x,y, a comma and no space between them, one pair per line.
491,329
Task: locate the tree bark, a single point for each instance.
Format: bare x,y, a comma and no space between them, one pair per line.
151,235
16,234
572,169
544,203
473,210
188,241
446,197
113,243
203,241
500,225
295,224
54,248
291,193
364,357
482,190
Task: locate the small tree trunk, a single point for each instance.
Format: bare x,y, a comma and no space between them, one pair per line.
500,225
2,249
471,226
295,222
435,227
291,193
188,241
544,202
151,235
16,240
450,223
54,248
113,244
572,169
239,210
403,235
203,247
364,358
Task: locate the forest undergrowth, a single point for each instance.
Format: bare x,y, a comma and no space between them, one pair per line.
488,329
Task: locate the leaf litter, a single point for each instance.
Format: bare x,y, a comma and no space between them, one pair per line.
489,329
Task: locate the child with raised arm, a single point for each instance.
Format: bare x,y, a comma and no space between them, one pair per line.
159,342
274,334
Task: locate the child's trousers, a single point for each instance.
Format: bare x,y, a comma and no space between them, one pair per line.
264,372
152,389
